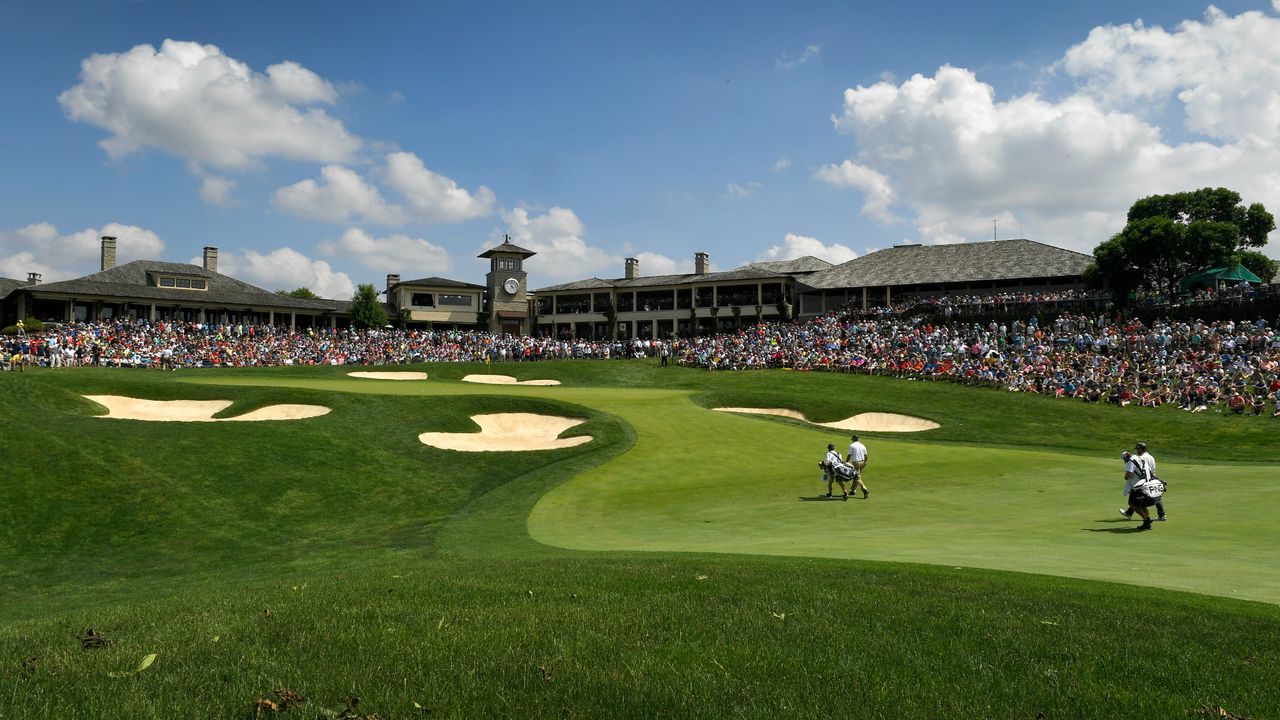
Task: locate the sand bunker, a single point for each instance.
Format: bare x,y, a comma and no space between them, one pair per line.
505,380
505,432
127,408
869,422
389,375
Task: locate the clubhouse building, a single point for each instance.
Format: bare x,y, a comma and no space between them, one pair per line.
632,306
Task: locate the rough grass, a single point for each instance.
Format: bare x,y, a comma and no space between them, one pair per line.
338,558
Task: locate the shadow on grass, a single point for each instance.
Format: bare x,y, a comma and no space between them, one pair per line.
1123,530
823,498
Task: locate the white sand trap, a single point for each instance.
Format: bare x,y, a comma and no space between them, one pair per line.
869,422
389,375
504,432
127,408
505,380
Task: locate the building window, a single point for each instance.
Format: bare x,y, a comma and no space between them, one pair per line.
458,300
423,300
506,264
183,283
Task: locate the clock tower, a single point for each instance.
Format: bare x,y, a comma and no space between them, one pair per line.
507,287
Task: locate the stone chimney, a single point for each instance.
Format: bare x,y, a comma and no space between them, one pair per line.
108,252
211,259
391,280
633,269
33,278
701,263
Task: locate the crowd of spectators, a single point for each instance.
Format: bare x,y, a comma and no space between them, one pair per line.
1196,365
1226,366
172,345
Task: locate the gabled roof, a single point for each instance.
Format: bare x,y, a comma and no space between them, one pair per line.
588,284
806,264
8,285
134,280
507,248
958,263
440,282
745,272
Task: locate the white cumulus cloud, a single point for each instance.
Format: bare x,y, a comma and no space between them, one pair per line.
394,253
342,194
945,153
194,101
217,190
797,246
41,248
1225,71
431,196
285,269
655,264
557,237
875,186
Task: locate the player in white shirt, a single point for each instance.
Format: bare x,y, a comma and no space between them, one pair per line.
1148,461
829,464
857,457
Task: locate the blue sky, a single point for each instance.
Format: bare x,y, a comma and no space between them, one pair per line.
327,144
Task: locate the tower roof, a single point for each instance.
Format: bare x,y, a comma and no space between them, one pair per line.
506,248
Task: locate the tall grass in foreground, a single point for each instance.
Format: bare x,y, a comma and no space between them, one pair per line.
652,637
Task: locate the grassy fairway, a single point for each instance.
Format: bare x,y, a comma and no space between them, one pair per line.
339,557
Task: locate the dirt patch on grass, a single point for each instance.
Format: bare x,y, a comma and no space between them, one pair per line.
505,380
869,422
389,375
507,432
127,408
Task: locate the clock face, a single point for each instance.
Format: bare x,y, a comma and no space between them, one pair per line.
511,285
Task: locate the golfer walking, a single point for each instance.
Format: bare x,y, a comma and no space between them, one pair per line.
1147,469
857,457
1138,501
829,465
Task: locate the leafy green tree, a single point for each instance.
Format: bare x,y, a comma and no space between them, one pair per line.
1167,237
302,293
366,310
1258,264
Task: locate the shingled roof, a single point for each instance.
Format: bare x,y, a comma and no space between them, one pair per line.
8,285
746,272
135,280
507,247
440,282
958,263
806,264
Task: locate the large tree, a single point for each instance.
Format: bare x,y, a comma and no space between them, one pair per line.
302,293
1167,237
366,310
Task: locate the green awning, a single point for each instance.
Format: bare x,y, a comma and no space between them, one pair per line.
1211,277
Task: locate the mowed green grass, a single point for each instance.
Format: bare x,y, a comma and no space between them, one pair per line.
703,481
338,557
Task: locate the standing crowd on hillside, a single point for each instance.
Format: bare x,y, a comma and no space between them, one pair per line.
1228,365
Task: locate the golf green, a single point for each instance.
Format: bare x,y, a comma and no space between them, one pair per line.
703,481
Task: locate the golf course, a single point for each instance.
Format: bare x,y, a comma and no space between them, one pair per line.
617,545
